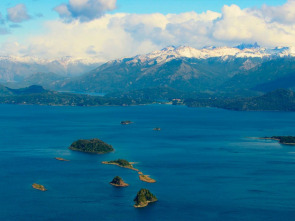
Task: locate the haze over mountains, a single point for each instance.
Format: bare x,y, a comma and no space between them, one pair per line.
245,69
15,69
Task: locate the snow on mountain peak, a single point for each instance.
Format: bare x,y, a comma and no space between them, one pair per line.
241,51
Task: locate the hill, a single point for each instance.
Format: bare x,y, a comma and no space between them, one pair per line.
5,91
37,95
278,100
47,80
267,76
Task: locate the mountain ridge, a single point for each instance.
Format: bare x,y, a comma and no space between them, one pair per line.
211,69
240,51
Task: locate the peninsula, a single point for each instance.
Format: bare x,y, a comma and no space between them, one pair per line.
287,140
118,182
39,187
145,178
120,163
143,198
95,146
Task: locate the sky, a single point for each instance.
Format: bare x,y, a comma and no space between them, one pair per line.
110,29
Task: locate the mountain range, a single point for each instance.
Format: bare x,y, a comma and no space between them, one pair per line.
242,70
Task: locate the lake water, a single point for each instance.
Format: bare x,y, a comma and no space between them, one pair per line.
206,162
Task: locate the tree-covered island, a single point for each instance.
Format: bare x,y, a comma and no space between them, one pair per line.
119,182
143,198
287,140
95,145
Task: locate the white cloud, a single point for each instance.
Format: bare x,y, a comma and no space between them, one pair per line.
282,14
18,13
252,25
84,10
120,35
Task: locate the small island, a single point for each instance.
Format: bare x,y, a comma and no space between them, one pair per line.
120,163
60,159
126,122
286,140
39,187
146,178
95,146
157,129
118,182
143,198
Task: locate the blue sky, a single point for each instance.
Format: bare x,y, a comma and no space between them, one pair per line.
178,6
30,23
137,6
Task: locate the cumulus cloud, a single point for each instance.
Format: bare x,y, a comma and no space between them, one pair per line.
281,14
84,10
18,13
121,35
252,25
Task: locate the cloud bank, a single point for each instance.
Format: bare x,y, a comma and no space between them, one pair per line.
84,10
121,35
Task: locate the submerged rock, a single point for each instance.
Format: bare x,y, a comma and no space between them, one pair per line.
125,122
60,159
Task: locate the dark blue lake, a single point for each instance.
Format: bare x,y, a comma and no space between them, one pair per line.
207,164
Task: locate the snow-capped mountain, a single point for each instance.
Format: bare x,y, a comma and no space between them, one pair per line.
13,68
181,68
241,51
190,69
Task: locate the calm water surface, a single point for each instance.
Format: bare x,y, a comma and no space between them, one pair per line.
206,162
